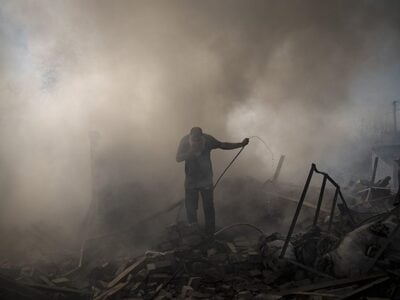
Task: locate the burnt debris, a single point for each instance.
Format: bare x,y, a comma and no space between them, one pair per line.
335,252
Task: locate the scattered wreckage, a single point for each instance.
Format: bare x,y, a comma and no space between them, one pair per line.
343,254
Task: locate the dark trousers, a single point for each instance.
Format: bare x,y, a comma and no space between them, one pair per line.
192,203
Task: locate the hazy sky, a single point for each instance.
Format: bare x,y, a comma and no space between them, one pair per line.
305,76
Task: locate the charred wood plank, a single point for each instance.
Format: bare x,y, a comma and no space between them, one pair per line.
331,284
136,266
309,269
364,288
57,289
112,291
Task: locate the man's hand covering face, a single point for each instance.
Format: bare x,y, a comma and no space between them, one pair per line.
197,144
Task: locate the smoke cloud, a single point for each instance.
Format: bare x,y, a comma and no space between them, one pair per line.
306,76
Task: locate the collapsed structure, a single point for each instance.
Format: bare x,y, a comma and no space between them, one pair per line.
339,250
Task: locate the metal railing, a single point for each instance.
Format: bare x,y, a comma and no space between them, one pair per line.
338,194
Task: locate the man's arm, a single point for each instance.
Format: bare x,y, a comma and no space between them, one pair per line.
230,146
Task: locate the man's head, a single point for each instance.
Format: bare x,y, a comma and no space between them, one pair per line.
196,139
196,134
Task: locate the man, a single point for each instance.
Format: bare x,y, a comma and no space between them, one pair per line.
195,149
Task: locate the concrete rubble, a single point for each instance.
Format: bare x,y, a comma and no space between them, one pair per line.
331,259
187,266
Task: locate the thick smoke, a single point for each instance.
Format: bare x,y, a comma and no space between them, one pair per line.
305,76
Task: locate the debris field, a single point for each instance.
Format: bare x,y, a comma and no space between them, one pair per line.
341,252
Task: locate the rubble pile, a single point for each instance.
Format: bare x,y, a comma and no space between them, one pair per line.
352,252
187,265
184,265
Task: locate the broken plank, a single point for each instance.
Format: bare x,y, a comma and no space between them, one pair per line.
330,283
341,290
364,288
57,289
60,280
46,280
165,283
314,294
112,291
309,269
136,266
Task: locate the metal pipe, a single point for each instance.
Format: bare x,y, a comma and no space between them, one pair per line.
374,171
296,214
321,196
278,168
395,116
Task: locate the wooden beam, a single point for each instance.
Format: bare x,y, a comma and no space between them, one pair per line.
331,284
364,288
136,266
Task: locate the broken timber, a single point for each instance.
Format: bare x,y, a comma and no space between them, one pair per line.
115,289
136,266
331,284
364,288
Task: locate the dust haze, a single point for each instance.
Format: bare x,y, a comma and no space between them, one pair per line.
308,77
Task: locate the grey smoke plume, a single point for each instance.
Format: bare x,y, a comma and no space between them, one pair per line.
303,75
